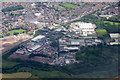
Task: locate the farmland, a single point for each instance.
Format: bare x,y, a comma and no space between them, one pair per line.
44,74
17,75
8,63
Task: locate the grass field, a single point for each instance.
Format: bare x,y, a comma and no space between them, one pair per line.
44,74
8,64
101,32
69,5
15,13
99,74
16,31
17,75
112,23
59,8
106,71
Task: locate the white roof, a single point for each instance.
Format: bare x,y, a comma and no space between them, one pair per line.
114,43
73,48
115,35
74,43
35,47
33,4
88,30
38,37
105,15
36,22
67,61
85,25
37,14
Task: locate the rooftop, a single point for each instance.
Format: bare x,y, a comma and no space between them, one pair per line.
38,38
35,47
115,35
84,25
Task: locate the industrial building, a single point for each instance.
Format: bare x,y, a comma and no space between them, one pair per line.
68,44
84,29
33,48
38,38
115,37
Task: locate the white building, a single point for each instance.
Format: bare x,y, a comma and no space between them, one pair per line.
38,38
116,37
75,43
72,48
106,16
83,28
37,14
34,48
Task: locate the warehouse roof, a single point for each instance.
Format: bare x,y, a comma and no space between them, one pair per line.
38,38
115,35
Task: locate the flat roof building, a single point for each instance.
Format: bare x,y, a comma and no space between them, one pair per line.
72,48
33,48
38,38
115,35
83,28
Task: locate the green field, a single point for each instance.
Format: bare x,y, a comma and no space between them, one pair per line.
105,71
59,8
112,23
69,5
101,32
44,74
16,31
17,75
56,7
8,63
15,13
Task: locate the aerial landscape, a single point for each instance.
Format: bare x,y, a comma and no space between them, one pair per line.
60,39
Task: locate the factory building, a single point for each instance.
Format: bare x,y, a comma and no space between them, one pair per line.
84,29
33,48
38,38
116,38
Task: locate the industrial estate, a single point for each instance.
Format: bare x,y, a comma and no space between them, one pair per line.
66,39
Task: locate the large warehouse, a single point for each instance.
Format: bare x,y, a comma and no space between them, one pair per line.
83,28
38,38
